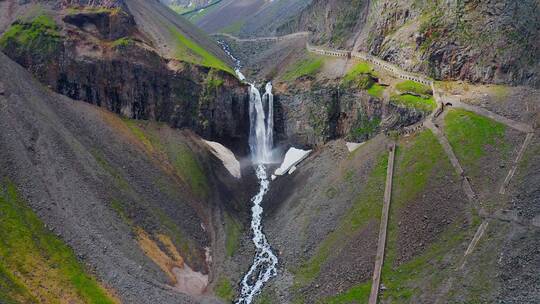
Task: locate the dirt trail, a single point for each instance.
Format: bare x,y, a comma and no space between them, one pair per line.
382,231
479,233
512,171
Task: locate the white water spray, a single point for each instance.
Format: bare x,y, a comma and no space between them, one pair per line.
261,134
268,97
261,124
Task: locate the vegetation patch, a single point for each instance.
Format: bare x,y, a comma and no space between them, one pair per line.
431,27
358,69
213,81
120,182
35,264
417,161
364,127
267,296
361,76
189,51
409,86
366,207
39,37
93,10
415,102
376,90
186,163
233,231
470,135
161,251
307,67
122,43
356,294
224,290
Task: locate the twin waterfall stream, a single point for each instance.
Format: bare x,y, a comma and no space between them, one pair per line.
261,134
260,142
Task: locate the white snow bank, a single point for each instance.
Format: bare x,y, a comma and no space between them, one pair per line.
353,146
227,157
292,158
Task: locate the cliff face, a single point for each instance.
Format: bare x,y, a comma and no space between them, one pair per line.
325,112
101,56
479,41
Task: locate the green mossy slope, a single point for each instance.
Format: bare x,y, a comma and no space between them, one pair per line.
39,37
36,266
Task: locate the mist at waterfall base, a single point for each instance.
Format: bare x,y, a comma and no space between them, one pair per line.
261,115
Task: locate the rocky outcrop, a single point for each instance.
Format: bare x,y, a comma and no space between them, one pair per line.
331,22
100,56
478,41
309,117
104,24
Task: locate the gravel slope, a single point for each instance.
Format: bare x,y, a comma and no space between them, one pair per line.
49,149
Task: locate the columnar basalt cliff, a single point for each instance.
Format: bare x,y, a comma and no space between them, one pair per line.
326,112
101,56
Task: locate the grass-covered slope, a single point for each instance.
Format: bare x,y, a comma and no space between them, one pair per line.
35,40
35,265
428,221
414,95
176,37
307,67
485,149
40,34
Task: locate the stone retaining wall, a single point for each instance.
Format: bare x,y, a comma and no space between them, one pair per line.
371,59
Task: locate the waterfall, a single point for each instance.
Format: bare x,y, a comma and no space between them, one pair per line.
261,142
261,127
269,97
261,134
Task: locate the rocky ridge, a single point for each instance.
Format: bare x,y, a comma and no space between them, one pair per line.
104,57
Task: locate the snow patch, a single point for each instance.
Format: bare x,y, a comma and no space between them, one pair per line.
292,158
353,146
227,157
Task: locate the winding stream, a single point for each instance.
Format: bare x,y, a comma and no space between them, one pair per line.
261,136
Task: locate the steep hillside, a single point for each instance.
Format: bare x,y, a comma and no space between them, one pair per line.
142,205
416,189
248,17
477,41
182,6
175,37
